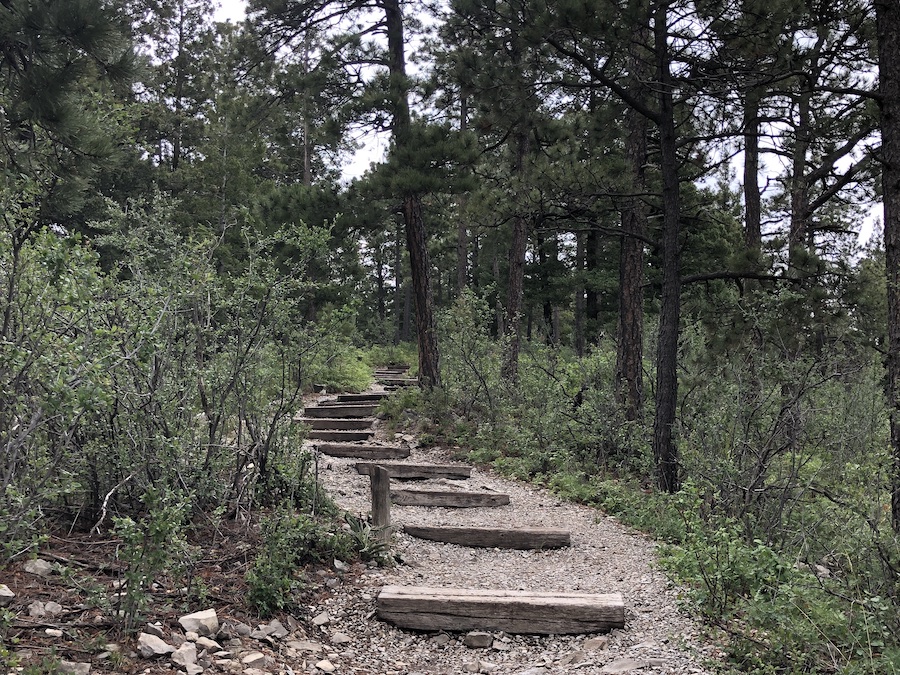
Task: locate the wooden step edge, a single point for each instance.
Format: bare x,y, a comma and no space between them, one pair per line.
523,538
452,499
418,471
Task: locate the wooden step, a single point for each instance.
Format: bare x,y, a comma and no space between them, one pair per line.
427,609
359,398
418,471
344,435
448,498
491,537
349,410
363,451
398,381
345,423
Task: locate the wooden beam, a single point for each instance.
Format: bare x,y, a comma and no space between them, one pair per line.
363,451
422,608
381,504
340,435
349,410
448,498
359,398
491,537
345,423
418,471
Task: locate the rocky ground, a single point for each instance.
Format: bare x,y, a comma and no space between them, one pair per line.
53,615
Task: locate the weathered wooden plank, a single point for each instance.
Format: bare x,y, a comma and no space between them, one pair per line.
359,398
335,411
422,608
448,498
345,423
340,435
397,381
381,504
490,537
363,451
419,471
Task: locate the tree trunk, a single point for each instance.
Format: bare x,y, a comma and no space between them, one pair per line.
752,196
887,13
665,451
579,294
592,295
420,266
462,235
630,343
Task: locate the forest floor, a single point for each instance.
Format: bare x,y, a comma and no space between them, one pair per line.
58,618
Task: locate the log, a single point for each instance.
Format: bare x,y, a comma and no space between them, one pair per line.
363,451
448,498
359,398
418,471
422,608
381,503
490,537
349,410
339,435
344,423
398,381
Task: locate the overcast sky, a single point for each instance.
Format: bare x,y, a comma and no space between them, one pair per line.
230,9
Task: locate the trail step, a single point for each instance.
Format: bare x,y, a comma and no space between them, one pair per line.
344,423
448,498
349,410
491,537
398,381
340,435
358,398
418,471
363,451
429,609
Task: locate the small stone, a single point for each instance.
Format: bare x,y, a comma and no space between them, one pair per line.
193,669
208,645
73,668
472,666
53,632
597,643
340,639
572,658
441,639
6,596
242,629
501,646
38,567
185,654
340,565
622,666
478,640
191,636
321,619
154,629
534,671
53,608
254,660
326,666
36,610
305,646
149,646
205,622
256,671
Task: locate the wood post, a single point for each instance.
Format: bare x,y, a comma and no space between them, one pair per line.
381,503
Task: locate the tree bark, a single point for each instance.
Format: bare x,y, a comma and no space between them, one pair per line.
416,242
462,234
752,196
579,294
665,451
887,14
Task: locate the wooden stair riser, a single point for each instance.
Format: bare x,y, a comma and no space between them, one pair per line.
339,435
429,609
362,398
339,423
489,537
337,411
361,451
459,500
418,471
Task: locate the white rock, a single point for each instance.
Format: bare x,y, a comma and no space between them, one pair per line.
340,639
326,666
622,666
53,608
205,622
154,629
478,640
534,671
38,567
36,610
321,619
305,646
149,646
208,645
277,630
340,565
6,595
53,632
193,669
73,668
472,667
185,654
254,660
191,636
596,643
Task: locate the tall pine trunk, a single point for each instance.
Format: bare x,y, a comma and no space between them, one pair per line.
887,13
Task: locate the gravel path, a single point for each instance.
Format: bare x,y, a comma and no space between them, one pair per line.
605,556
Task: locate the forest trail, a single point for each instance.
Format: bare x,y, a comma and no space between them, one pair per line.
604,557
